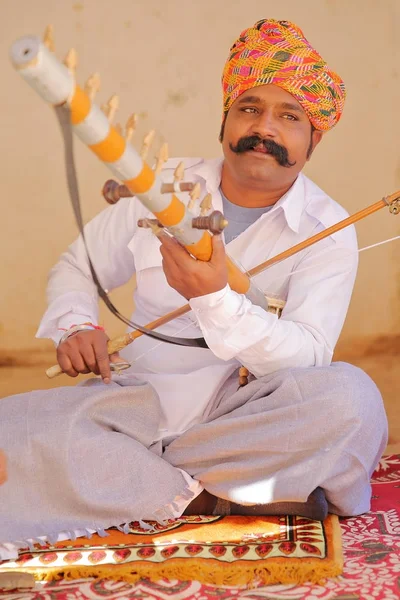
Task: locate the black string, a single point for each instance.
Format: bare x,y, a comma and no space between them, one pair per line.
63,115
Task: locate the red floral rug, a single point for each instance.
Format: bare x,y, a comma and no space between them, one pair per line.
371,571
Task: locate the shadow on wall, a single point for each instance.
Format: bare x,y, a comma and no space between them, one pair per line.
27,357
381,345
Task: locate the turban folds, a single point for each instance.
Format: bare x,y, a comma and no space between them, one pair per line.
276,52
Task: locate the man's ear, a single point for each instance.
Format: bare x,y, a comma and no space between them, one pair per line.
316,137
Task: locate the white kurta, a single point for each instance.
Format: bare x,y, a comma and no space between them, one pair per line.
316,284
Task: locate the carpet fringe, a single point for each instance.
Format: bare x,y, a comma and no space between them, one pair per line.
236,574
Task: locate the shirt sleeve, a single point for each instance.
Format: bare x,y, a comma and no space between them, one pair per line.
71,292
319,293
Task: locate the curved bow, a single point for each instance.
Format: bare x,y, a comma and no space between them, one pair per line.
63,115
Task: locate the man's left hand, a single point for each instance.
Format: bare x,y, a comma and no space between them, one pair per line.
190,277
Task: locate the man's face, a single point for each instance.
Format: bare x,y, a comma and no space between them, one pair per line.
267,137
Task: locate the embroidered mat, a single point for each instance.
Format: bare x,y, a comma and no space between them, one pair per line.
371,545
219,550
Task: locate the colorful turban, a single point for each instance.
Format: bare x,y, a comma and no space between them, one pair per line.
277,52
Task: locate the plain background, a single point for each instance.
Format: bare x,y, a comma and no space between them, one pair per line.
164,58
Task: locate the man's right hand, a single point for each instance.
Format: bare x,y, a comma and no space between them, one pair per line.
86,352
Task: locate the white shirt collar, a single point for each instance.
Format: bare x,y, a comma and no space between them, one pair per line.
291,203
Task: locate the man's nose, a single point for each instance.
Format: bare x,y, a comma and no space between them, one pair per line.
265,126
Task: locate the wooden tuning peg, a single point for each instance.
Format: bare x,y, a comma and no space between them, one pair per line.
148,140
161,158
243,376
155,228
48,38
92,86
130,127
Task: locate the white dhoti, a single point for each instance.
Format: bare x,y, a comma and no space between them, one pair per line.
86,457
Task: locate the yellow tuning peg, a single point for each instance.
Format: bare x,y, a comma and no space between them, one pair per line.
71,60
179,172
48,38
130,127
92,86
161,158
206,205
111,107
194,195
148,140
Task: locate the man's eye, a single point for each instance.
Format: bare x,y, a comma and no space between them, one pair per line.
290,117
249,109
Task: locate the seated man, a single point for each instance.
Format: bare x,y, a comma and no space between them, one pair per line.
174,435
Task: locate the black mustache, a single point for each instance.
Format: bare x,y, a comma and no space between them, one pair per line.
279,152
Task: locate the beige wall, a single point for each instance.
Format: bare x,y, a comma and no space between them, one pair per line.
164,58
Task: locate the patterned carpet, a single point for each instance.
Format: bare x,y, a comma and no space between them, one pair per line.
371,572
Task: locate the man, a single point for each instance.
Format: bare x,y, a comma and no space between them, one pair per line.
175,435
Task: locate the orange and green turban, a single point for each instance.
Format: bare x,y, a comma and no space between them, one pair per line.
276,52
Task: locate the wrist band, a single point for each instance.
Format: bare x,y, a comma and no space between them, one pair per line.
75,329
86,323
